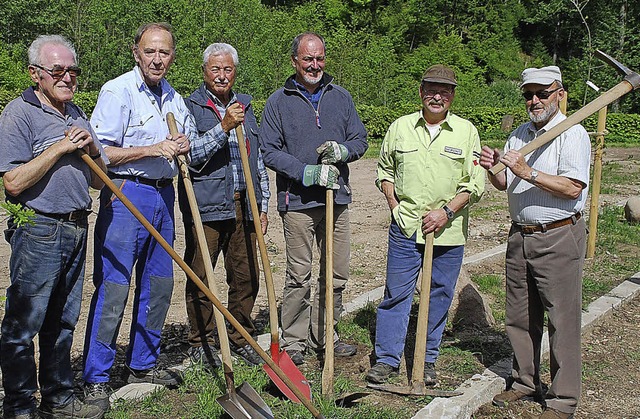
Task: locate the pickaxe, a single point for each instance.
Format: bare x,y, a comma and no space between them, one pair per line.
630,82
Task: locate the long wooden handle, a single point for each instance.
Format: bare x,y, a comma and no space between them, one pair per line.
221,326
192,275
594,106
417,375
264,256
327,371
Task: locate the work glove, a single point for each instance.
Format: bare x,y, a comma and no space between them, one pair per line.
323,175
332,152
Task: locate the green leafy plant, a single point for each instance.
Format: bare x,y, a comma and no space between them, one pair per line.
20,214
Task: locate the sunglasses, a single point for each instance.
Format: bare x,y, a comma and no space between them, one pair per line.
58,72
541,94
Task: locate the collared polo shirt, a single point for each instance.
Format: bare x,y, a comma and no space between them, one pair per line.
428,172
569,155
29,127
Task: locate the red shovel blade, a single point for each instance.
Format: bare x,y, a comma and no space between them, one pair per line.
283,360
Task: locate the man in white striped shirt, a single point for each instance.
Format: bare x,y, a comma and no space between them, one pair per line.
547,191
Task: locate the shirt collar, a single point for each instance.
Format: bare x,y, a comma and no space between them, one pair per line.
142,85
445,124
218,102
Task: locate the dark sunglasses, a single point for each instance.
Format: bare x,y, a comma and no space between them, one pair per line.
58,72
541,94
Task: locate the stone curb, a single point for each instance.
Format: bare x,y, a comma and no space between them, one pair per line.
480,389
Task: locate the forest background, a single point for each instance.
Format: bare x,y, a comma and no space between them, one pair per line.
376,49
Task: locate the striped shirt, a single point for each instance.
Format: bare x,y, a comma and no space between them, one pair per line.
569,155
219,136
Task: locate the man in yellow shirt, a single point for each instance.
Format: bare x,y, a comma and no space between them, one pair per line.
428,171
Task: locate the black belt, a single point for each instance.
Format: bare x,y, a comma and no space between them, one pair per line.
156,183
78,215
535,228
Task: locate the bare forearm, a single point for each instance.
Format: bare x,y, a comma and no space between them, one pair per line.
388,189
25,176
559,186
119,155
499,181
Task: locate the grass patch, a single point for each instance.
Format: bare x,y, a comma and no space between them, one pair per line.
373,152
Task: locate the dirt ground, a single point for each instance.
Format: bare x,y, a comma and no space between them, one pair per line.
611,355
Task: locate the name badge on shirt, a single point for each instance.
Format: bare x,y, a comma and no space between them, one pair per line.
453,150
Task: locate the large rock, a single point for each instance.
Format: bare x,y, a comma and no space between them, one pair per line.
470,309
632,209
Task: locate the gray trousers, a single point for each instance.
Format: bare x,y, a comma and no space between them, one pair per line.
544,273
302,321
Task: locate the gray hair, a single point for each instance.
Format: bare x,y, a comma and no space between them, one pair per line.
220,48
295,45
35,50
154,25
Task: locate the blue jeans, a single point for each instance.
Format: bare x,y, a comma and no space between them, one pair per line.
404,260
44,298
121,242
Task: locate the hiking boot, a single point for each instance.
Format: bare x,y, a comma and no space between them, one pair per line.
430,376
155,375
74,409
508,396
247,353
341,348
206,355
296,356
550,413
381,372
97,394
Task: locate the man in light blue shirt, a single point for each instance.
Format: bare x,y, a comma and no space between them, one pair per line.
130,122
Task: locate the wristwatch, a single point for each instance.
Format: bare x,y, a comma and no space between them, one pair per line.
450,213
534,176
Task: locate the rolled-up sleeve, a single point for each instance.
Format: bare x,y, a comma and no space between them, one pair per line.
386,163
474,179
110,118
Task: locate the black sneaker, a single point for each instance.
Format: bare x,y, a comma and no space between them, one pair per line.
247,353
381,372
74,409
97,394
296,356
165,377
341,348
207,355
430,376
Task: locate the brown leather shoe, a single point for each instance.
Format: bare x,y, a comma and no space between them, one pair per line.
509,396
550,413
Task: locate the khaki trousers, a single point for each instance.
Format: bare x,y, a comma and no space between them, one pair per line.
237,241
302,320
544,273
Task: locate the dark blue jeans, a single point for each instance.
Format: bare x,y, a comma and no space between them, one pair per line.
404,260
47,272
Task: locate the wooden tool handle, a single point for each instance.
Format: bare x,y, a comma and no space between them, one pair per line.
221,326
327,371
417,375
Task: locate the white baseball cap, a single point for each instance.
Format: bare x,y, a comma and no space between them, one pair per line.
544,75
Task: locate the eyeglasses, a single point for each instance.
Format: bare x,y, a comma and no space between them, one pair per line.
58,72
309,60
541,94
445,93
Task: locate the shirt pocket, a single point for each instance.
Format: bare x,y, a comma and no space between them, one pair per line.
408,163
453,164
140,130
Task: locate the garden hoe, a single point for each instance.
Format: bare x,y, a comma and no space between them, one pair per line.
630,82
281,358
242,402
192,276
416,385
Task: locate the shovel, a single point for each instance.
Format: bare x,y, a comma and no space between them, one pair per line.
327,371
416,385
242,402
192,275
281,358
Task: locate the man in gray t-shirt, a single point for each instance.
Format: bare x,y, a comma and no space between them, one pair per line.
40,132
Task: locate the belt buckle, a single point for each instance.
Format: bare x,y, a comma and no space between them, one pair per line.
528,229
76,215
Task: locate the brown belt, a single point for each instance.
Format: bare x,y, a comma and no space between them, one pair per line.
536,228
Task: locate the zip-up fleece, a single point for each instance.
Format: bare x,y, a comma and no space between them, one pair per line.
291,130
213,180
